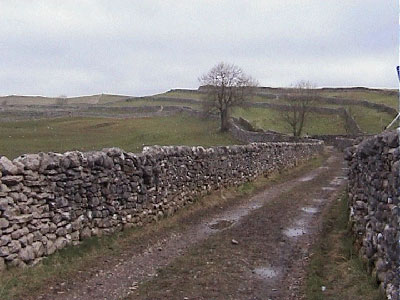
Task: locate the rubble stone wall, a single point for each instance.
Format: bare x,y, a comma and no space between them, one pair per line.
340,141
50,200
374,193
247,136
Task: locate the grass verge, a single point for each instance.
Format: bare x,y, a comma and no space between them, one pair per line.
334,265
72,263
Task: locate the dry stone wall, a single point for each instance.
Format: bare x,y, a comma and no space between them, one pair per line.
340,141
246,136
350,123
12,113
50,200
374,194
345,101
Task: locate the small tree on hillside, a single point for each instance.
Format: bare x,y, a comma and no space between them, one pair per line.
301,100
226,86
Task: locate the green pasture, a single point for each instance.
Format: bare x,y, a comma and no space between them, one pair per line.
151,102
65,134
371,96
272,119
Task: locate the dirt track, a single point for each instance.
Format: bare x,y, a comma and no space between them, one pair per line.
257,249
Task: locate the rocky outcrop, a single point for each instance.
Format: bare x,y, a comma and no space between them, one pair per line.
51,200
374,193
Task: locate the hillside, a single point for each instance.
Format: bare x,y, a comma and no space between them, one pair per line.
33,124
370,119
40,100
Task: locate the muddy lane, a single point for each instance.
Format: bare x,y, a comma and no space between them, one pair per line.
255,250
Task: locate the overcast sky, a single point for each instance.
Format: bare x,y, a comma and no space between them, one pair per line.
71,48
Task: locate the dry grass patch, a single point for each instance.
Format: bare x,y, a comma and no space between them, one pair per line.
335,266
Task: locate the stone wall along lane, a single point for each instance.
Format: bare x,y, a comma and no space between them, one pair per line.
51,200
374,193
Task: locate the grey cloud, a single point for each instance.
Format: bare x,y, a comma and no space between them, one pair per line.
141,47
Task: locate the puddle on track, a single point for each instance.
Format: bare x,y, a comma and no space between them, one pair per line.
255,206
265,272
319,200
328,188
337,181
331,159
307,178
294,232
221,224
310,209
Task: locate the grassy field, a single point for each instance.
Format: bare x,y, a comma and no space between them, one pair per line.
181,94
370,121
151,102
95,133
60,135
270,119
199,96
372,96
38,100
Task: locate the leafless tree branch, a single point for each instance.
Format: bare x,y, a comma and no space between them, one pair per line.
302,97
226,86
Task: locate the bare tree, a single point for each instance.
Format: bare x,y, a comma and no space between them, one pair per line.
226,86
301,99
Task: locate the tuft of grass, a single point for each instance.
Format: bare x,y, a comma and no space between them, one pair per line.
246,188
59,265
334,264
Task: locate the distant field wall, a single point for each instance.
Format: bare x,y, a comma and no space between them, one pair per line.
49,201
350,123
171,99
345,101
374,195
377,106
392,92
31,112
12,113
44,101
247,136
